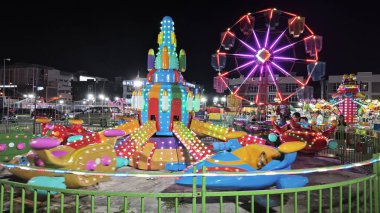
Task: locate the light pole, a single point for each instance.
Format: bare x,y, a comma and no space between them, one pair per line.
215,100
204,101
35,96
102,97
91,98
5,59
223,99
61,102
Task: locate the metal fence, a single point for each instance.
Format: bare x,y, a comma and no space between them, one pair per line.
356,195
354,147
28,126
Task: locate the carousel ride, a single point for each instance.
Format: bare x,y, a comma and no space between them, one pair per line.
169,136
70,148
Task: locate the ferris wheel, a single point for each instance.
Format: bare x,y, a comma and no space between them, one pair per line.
269,49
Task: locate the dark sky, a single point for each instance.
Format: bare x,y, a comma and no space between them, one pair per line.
109,39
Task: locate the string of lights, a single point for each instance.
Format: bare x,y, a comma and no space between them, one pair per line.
206,174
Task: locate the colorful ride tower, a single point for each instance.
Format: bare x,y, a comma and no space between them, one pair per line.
165,106
165,98
347,98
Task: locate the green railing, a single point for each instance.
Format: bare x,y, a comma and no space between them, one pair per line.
356,195
354,147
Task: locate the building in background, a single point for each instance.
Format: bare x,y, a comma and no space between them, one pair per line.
131,85
85,85
286,85
23,78
369,84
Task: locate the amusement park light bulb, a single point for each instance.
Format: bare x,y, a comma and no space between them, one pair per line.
203,99
223,99
263,55
90,96
117,98
137,83
101,96
216,99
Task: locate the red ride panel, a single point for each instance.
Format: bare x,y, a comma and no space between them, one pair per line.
153,111
176,111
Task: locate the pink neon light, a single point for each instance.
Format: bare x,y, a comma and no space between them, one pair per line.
261,78
280,58
274,81
224,37
243,55
267,35
241,18
249,21
311,73
286,58
291,14
264,10
245,44
286,73
257,40
310,31
271,15
278,38
285,47
237,68
246,78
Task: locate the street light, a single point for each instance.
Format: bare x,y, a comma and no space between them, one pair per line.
101,96
215,100
35,107
4,96
61,102
137,83
90,96
204,101
223,99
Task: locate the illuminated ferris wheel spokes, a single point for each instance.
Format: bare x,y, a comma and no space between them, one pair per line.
265,56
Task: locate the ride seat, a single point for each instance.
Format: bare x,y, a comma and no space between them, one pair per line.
256,155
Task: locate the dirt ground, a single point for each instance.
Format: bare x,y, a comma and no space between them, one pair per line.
167,185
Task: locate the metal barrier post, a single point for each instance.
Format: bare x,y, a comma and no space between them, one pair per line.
376,170
203,190
194,199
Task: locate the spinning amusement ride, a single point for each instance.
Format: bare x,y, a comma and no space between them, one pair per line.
261,47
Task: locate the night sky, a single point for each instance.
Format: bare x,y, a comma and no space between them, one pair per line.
108,39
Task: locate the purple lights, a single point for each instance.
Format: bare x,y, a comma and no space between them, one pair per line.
3,147
20,146
91,165
166,143
106,161
267,47
44,143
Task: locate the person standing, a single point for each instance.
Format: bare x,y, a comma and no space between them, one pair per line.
342,128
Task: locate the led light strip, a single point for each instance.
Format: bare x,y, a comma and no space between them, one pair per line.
181,174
